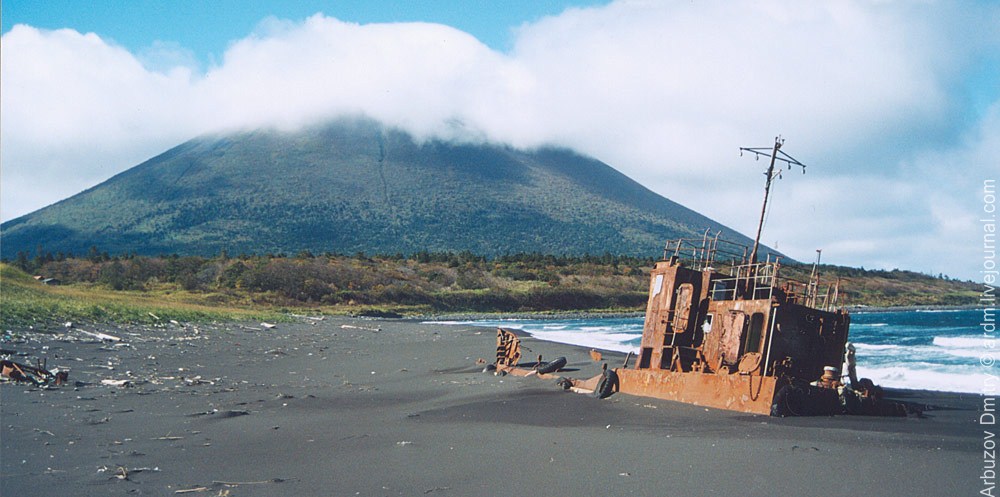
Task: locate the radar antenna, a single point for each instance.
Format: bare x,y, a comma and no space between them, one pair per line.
775,154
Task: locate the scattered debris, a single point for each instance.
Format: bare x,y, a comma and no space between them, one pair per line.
123,473
551,366
238,483
196,381
36,375
351,327
192,490
101,336
117,383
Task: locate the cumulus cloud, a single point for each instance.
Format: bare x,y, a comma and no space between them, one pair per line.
76,110
869,94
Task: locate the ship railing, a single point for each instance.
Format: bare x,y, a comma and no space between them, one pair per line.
812,293
747,281
744,279
762,281
707,252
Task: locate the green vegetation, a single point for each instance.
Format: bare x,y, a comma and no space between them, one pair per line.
25,301
881,288
148,289
353,186
422,283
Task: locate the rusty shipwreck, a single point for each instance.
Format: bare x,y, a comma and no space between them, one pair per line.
723,329
726,332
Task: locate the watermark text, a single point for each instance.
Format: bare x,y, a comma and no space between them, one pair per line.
987,359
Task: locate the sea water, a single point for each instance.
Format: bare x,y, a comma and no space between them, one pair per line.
916,349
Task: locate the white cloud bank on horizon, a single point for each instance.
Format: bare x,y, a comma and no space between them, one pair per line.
874,96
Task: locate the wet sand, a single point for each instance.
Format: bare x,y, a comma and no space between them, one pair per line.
350,406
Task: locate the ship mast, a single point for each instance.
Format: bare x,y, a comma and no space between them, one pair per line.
775,155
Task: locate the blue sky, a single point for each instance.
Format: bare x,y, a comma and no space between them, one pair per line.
894,105
207,27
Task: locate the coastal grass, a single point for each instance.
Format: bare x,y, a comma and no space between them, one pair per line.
25,301
139,289
895,288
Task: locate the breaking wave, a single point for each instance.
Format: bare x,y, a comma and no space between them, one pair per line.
900,349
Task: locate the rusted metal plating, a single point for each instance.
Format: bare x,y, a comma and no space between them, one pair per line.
508,348
509,353
724,331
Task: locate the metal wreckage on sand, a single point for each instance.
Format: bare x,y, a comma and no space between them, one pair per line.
723,330
36,375
736,337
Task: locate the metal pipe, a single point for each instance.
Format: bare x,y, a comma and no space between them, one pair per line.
812,293
770,340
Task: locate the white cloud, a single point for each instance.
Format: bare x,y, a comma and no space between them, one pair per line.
867,93
169,57
76,110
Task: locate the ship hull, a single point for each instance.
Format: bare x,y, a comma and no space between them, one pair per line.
734,392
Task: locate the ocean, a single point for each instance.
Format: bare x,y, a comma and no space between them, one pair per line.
940,350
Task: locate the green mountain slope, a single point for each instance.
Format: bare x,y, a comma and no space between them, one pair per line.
354,185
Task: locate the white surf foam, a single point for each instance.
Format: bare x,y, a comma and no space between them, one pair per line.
961,342
948,363
951,379
866,347
593,339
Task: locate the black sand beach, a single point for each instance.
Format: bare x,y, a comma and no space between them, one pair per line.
349,406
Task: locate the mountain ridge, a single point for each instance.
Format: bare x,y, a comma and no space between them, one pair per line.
355,185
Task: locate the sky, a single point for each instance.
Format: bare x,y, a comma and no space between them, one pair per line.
894,106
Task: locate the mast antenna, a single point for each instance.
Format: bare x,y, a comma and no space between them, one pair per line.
775,154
